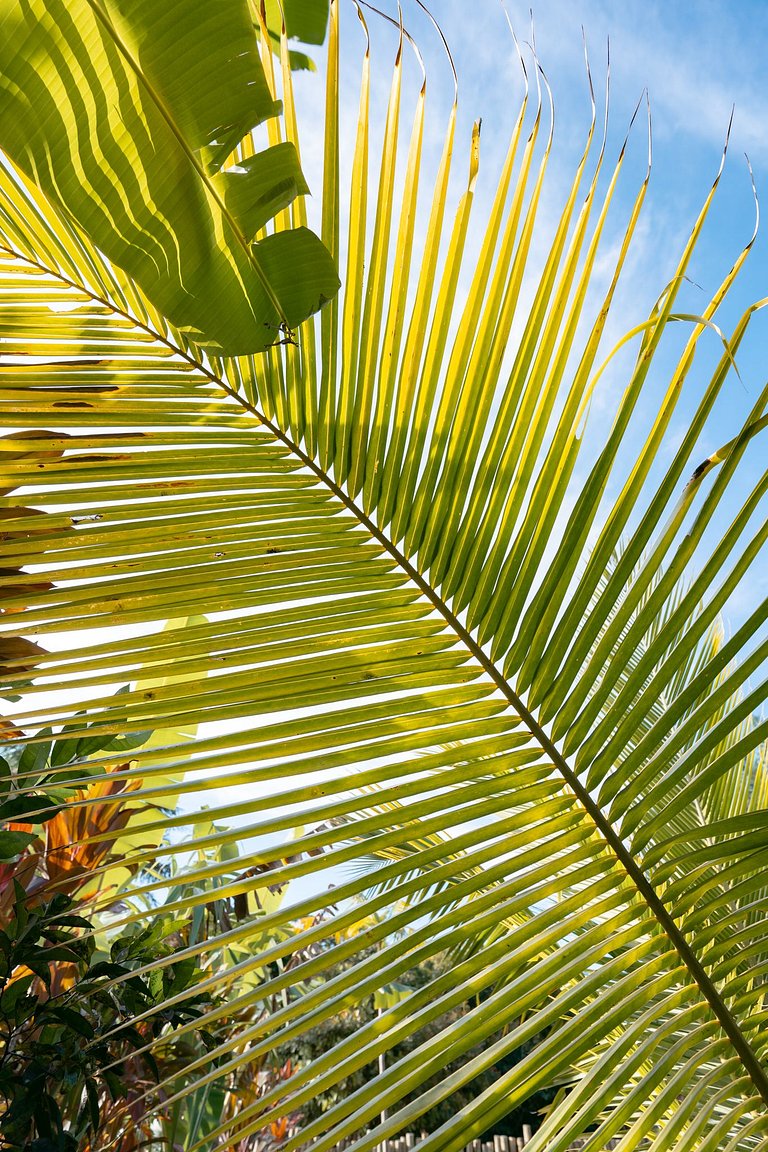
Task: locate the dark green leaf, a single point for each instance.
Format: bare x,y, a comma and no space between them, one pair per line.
104,968
35,756
133,1036
64,751
92,1097
114,1084
13,843
66,955
72,922
20,910
40,967
73,1020
126,743
37,808
152,1064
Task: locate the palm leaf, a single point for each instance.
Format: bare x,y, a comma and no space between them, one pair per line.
429,638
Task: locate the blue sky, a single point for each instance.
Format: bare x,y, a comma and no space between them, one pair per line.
697,61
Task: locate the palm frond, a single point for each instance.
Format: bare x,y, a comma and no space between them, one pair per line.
408,584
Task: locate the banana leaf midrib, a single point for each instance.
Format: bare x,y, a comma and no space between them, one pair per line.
633,870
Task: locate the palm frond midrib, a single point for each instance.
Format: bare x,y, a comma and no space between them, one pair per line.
601,822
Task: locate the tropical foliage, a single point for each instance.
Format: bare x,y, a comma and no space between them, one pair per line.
75,1072
66,1018
438,634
